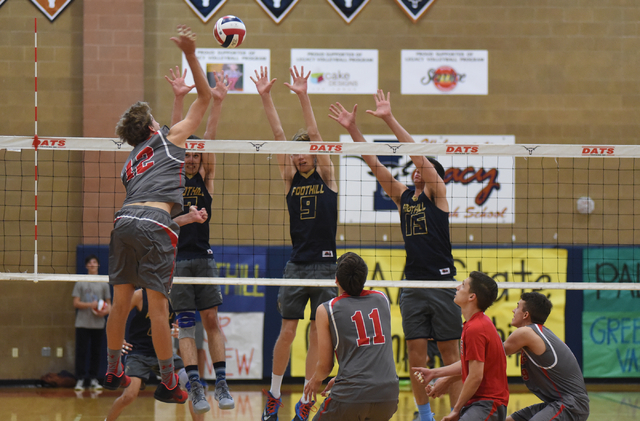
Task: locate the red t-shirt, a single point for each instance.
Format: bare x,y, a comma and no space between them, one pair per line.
481,342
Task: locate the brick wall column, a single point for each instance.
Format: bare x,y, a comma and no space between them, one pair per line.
113,79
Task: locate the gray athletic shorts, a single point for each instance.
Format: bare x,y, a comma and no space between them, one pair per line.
293,300
196,297
430,313
483,410
142,366
339,411
548,411
143,248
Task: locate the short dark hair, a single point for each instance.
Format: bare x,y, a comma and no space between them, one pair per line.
438,166
538,306
485,288
133,126
351,273
89,257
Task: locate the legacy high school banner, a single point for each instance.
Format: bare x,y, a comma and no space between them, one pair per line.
480,189
535,265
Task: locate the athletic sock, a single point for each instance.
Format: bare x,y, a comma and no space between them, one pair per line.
303,399
166,372
276,383
425,412
193,373
221,371
113,361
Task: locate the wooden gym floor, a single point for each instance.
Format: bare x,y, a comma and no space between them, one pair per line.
608,402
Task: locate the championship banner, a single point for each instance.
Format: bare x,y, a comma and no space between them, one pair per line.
415,8
444,72
535,265
338,71
348,9
205,9
610,321
237,65
480,189
277,9
50,8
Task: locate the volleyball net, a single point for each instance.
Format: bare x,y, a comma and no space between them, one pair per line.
521,213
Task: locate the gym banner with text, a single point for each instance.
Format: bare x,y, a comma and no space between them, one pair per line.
535,265
610,320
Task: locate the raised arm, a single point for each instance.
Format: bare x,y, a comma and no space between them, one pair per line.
264,85
208,167
179,133
390,185
180,90
299,87
434,187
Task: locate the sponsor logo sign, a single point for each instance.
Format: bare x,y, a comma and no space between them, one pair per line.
444,72
49,143
338,71
598,150
480,188
236,65
325,147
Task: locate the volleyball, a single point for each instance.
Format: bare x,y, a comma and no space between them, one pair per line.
229,31
585,205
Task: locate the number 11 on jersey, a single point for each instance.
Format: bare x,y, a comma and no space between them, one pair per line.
363,338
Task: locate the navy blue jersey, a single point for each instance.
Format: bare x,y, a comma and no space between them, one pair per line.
313,219
425,229
154,172
140,329
193,242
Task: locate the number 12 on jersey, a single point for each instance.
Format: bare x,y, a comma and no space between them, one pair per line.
363,338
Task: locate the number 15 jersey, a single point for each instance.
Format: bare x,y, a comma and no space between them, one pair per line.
361,336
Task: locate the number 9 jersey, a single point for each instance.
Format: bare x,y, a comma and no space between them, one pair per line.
154,172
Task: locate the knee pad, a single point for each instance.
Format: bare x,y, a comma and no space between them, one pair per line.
187,324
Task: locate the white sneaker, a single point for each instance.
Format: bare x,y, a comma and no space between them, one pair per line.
79,386
95,385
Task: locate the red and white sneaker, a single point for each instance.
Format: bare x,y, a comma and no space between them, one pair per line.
175,395
113,382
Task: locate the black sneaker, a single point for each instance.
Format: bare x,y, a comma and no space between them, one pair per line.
113,382
166,395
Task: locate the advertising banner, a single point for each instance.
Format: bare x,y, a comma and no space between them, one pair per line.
535,265
444,72
338,71
611,321
480,189
236,64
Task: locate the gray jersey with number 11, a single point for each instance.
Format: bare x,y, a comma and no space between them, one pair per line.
361,336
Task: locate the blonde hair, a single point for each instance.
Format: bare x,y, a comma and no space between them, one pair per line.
301,136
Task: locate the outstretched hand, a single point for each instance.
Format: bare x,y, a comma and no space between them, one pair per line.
345,118
180,88
383,105
219,92
423,375
186,39
299,85
263,84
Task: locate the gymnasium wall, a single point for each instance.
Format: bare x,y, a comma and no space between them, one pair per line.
560,71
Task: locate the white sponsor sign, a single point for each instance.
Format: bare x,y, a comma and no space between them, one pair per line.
236,64
480,188
243,346
444,72
338,71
